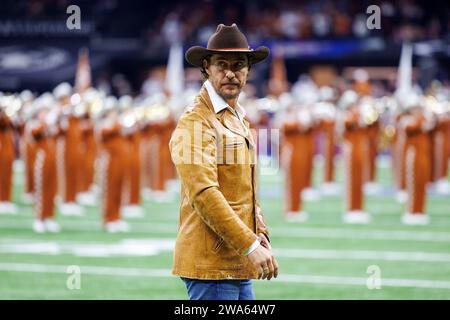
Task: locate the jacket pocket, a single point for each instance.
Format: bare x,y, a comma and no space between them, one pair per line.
235,144
217,245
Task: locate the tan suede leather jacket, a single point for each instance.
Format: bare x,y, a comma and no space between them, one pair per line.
220,217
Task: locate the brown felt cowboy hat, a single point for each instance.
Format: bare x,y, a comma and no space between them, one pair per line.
226,39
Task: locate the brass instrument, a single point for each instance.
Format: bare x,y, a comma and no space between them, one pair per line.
435,106
10,105
368,111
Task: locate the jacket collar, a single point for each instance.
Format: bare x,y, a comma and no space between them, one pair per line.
226,116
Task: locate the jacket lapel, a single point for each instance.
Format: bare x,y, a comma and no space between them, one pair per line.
228,120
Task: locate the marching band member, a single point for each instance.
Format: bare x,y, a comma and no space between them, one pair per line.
132,140
27,147
398,155
355,150
112,165
306,93
87,196
440,142
416,124
403,90
43,129
7,156
372,129
325,112
161,123
68,152
296,127
146,156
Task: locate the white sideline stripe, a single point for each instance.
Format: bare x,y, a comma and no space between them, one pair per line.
124,247
375,210
166,273
370,234
96,270
155,246
289,232
362,255
96,225
384,282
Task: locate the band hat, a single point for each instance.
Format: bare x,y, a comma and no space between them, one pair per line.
226,39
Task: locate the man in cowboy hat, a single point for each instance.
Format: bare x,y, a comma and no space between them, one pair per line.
222,240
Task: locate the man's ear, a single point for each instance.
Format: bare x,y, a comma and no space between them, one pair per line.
205,66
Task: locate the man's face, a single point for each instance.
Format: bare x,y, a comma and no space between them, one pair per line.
228,73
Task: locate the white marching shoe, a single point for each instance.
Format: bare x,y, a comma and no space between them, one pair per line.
146,194
12,208
27,198
330,189
52,226
293,216
117,226
122,226
310,194
3,208
95,189
132,211
356,217
70,209
162,196
111,227
415,219
443,187
88,199
39,226
401,196
371,188
7,207
173,185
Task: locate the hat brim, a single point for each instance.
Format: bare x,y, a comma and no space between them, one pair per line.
195,55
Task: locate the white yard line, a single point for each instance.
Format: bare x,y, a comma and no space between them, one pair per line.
384,282
316,232
166,273
361,234
124,247
95,225
155,246
362,255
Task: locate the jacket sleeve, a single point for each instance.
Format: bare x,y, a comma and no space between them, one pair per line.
261,226
193,150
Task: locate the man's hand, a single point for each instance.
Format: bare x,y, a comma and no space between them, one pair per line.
264,242
264,262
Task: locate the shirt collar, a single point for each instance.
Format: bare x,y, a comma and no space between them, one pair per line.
219,104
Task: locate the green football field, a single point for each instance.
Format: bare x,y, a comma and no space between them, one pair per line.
319,259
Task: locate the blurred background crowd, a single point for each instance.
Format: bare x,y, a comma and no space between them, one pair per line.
360,120
260,20
128,40
73,102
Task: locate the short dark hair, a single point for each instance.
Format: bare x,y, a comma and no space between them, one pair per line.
203,70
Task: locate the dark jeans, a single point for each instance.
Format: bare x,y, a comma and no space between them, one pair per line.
219,289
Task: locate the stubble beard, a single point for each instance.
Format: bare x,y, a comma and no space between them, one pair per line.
229,96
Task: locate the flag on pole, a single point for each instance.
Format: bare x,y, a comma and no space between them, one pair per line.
83,73
175,70
404,73
278,82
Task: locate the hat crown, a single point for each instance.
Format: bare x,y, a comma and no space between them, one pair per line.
227,37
